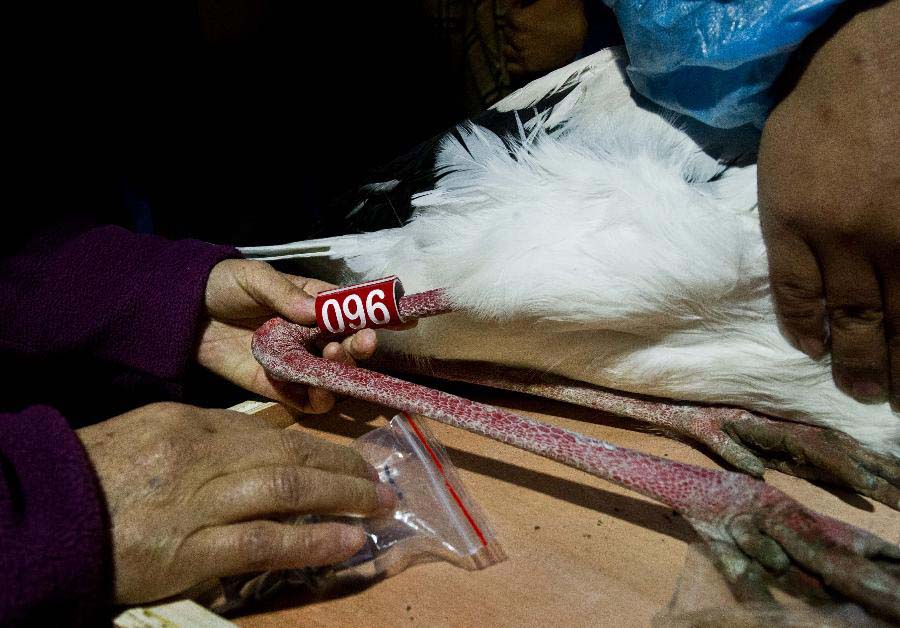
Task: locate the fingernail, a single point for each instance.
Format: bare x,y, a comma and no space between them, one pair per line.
373,474
387,499
868,392
813,347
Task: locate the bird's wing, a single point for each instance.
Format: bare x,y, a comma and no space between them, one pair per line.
384,200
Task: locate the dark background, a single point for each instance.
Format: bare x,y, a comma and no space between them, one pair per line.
233,122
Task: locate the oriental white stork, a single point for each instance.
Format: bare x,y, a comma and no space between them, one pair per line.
596,249
585,233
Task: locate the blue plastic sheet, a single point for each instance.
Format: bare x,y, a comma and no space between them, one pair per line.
714,60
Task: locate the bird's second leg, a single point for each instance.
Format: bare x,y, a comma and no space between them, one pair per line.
753,528
746,440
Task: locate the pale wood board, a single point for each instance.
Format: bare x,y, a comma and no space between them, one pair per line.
582,552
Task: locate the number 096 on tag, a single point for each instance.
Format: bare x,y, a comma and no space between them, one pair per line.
372,304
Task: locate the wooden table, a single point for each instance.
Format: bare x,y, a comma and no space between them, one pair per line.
581,551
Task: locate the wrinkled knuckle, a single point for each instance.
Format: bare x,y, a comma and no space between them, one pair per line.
288,487
860,356
795,294
856,320
259,543
310,545
797,305
862,365
361,495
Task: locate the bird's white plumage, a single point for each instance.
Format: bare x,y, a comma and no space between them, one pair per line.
605,244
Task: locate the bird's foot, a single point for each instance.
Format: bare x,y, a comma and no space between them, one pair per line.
750,442
759,536
752,527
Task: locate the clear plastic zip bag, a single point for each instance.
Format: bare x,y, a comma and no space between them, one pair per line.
435,520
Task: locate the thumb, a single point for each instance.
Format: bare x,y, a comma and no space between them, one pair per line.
281,295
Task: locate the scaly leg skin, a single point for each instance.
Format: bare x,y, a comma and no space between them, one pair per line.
746,440
751,524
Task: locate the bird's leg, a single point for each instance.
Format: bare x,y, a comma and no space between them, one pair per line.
756,523
746,440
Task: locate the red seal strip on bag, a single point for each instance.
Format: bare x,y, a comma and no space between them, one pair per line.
372,304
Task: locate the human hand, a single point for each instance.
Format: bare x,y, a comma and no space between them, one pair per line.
829,194
243,294
544,36
192,493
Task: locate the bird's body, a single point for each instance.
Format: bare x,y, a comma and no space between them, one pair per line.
602,241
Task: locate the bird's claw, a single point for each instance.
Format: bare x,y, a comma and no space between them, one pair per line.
751,442
769,538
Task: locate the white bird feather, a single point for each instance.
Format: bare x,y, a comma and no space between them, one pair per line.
601,242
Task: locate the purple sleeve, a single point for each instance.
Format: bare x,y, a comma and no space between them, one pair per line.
133,300
55,549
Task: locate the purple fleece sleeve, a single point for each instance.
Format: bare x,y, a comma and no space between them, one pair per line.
133,300
55,551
